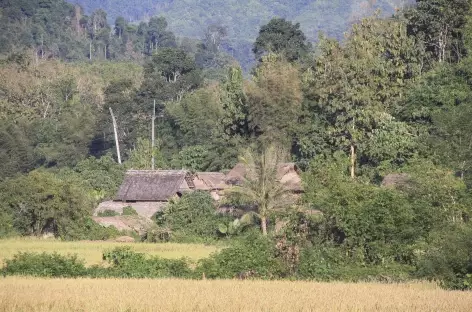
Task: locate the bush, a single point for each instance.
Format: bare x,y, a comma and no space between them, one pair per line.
254,256
125,263
88,229
129,211
157,234
194,215
108,213
329,264
6,225
45,265
449,258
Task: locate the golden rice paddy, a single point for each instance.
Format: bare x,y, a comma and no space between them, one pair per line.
39,295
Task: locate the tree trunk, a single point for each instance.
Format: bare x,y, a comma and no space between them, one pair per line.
353,161
153,136
115,130
264,226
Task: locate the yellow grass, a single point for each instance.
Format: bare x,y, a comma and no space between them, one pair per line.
91,252
38,295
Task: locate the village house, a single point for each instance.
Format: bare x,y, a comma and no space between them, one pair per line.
149,191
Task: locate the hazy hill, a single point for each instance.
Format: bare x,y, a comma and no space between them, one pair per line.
243,18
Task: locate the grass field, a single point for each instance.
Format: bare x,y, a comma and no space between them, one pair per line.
29,294
91,252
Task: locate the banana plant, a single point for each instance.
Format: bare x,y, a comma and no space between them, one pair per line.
238,225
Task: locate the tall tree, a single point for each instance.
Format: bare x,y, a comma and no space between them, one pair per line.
357,86
282,37
157,35
439,24
235,104
274,98
169,75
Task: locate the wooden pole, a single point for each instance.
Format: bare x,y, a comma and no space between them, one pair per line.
153,136
115,130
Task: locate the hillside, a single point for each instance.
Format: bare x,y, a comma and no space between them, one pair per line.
243,18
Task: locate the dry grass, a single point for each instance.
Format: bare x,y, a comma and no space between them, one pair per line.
28,294
92,251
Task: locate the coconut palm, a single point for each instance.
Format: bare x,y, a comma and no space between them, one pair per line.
260,186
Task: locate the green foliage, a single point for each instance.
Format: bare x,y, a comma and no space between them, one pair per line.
244,18
237,226
125,263
102,175
281,37
261,187
40,202
129,211
375,225
15,149
193,158
254,256
192,215
156,234
141,156
327,263
88,229
448,258
355,88
274,101
439,24
6,225
45,265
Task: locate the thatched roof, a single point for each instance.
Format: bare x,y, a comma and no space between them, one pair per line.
208,181
287,174
153,185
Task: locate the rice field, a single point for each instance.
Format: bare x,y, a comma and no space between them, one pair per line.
91,251
39,295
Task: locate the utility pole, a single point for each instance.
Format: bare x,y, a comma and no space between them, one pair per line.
115,129
153,136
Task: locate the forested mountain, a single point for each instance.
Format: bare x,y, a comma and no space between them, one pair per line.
242,18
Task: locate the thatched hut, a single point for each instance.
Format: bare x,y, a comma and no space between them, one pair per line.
154,185
287,174
148,191
213,182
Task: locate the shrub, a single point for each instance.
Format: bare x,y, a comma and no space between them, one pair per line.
88,229
45,265
125,263
108,213
6,225
157,234
255,255
192,215
448,258
325,263
129,211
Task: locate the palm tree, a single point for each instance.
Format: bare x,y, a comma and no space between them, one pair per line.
260,186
